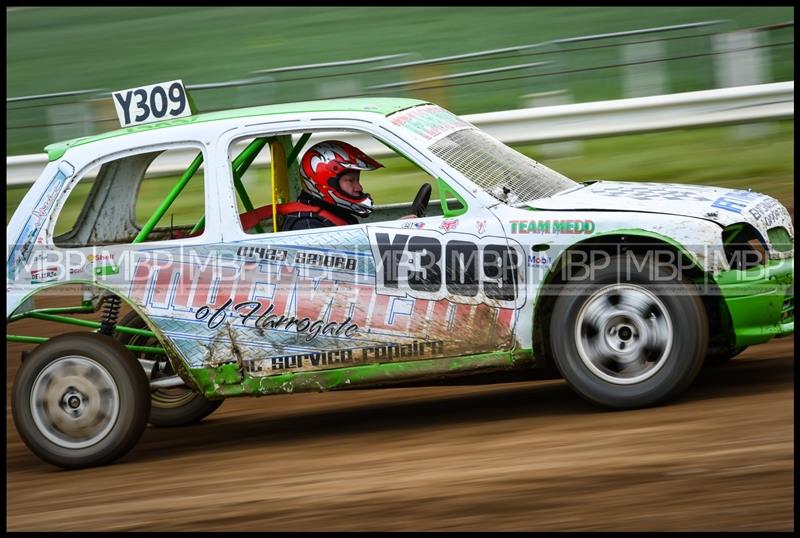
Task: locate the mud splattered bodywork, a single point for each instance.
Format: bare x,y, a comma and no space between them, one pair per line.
382,300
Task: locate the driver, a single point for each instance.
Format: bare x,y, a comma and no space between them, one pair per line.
332,191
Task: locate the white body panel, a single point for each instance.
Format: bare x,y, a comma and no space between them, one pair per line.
716,204
385,313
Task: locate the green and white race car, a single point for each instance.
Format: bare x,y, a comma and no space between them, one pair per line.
624,289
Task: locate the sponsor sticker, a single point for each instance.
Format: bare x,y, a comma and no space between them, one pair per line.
275,302
103,264
47,274
564,226
769,212
448,225
537,260
379,353
309,258
23,246
458,267
735,201
429,121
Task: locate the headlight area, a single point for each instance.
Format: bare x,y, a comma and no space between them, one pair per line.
757,291
744,247
780,239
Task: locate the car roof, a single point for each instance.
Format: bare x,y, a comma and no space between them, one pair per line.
376,105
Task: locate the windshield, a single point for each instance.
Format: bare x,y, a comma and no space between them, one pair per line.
506,174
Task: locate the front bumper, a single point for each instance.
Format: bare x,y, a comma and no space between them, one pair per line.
760,301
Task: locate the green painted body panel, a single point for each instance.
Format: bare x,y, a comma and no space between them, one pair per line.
55,151
377,105
42,339
228,380
26,339
59,310
444,192
755,300
169,350
86,323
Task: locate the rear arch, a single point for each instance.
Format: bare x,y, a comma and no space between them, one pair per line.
24,308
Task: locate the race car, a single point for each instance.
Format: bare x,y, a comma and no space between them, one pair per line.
624,289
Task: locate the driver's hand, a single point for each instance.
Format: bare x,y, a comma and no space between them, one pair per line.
411,216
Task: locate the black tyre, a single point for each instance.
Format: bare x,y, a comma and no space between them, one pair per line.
631,337
176,406
722,356
80,400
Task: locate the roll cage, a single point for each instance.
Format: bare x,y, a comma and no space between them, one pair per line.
284,188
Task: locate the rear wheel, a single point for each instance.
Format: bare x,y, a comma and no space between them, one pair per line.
176,406
630,337
80,400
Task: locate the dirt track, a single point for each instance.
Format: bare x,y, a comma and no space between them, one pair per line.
527,455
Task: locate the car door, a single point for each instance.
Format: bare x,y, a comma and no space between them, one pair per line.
387,289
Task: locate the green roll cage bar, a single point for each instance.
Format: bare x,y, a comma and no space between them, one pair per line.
240,165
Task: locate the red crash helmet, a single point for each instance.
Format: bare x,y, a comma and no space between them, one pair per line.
321,167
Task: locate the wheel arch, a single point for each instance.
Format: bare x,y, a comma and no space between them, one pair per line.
719,320
178,365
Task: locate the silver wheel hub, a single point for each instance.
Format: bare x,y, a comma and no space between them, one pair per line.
623,333
74,402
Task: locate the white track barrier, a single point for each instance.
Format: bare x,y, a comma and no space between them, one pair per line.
742,104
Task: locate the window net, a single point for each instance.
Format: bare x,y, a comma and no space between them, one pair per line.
506,174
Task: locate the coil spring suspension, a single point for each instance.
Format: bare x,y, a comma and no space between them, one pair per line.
111,308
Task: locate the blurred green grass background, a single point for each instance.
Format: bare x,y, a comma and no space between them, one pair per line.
57,49
70,48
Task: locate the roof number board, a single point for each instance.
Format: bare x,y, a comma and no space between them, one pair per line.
146,104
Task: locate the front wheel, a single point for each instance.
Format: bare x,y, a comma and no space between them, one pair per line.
721,356
630,337
80,400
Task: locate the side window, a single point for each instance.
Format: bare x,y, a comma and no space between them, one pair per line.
259,167
274,168
153,196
